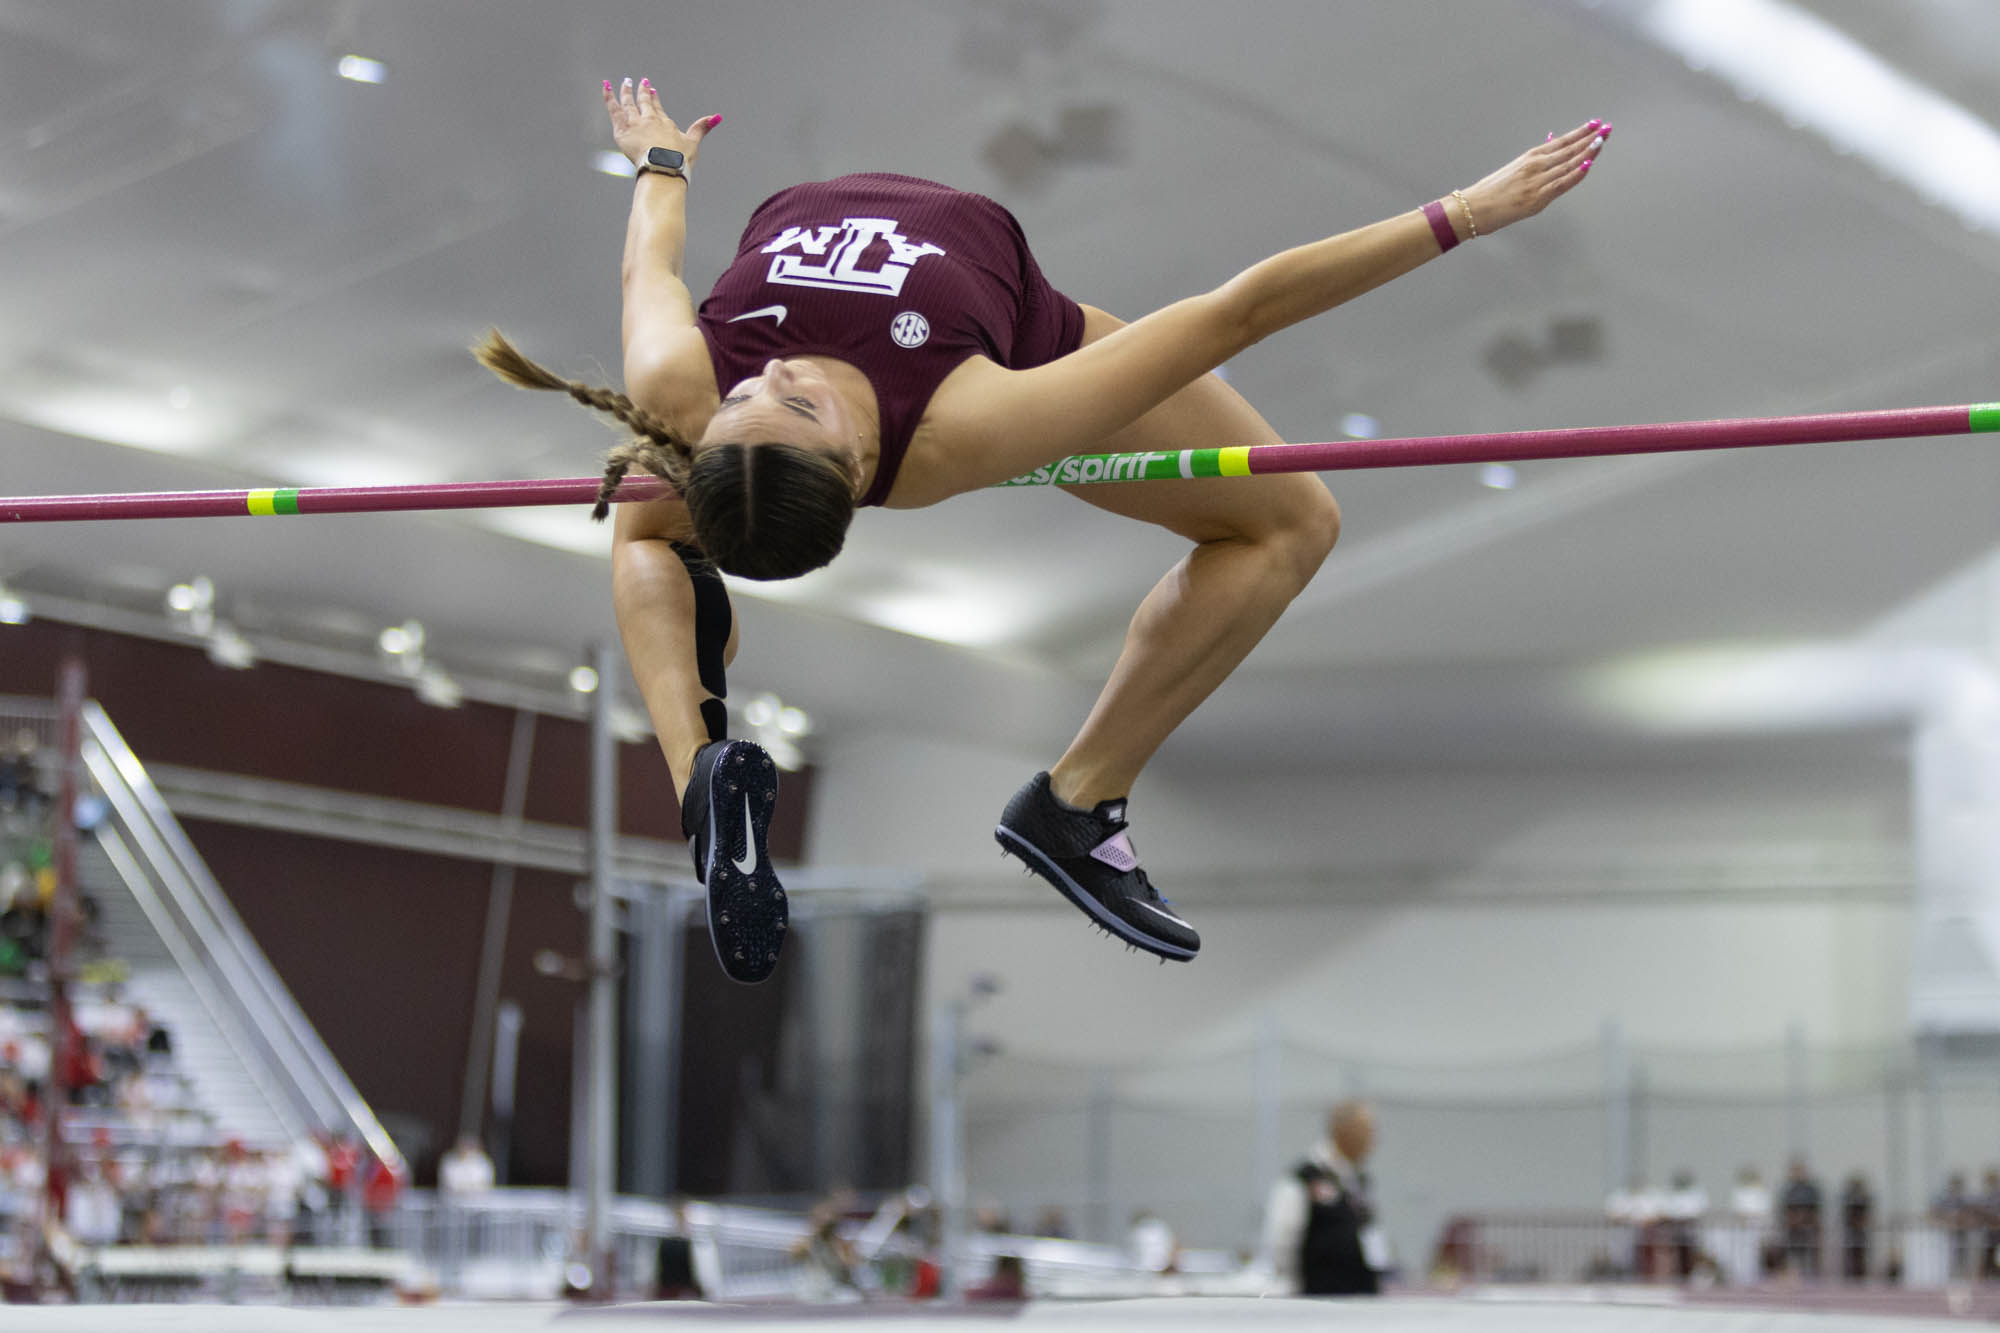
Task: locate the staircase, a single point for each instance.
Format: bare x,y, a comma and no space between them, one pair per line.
239,1037
225,1080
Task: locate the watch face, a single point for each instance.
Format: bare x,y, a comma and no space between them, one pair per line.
670,158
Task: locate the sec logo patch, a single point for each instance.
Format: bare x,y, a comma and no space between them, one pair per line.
910,329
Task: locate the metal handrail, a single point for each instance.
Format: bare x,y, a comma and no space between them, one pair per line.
270,1009
218,954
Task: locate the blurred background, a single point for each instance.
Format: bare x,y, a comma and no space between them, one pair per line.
1615,829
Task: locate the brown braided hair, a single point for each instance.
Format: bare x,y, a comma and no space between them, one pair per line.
772,511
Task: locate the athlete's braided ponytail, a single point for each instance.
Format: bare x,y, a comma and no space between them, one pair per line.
770,511
655,448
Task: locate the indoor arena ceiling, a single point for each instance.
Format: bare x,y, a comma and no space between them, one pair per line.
224,264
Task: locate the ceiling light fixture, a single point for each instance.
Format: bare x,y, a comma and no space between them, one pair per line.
402,648
583,679
1498,476
778,726
227,648
361,69
191,606
436,688
1817,77
13,607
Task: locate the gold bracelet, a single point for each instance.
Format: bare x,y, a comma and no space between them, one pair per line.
1471,225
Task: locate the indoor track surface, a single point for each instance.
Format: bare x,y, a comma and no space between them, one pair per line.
1415,1315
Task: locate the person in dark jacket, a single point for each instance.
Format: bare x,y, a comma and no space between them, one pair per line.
1319,1223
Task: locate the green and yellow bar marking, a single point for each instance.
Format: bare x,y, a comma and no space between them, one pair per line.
273,500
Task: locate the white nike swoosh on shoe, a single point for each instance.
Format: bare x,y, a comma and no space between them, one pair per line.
750,866
777,312
1161,912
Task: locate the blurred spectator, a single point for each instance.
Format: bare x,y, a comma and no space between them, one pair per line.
241,1192
1750,1200
1681,1212
674,1270
989,1217
1986,1209
1152,1244
91,1207
382,1196
1456,1257
465,1175
1953,1209
315,1200
1319,1222
826,1261
1799,1213
1053,1223
1857,1216
1635,1211
283,1182
1739,1240
1008,1282
466,1172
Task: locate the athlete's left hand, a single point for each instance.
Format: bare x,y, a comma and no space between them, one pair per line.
1537,178
637,123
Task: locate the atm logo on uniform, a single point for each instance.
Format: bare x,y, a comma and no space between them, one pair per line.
831,256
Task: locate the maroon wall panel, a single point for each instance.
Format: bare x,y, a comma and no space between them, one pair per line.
380,946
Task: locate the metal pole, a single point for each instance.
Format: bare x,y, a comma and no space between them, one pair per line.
1097,1157
1896,1146
493,947
1797,1076
650,1103
1933,1112
1267,1092
1617,1109
507,1022
64,917
601,1172
947,1152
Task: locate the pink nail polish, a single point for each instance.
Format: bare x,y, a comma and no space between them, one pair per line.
1596,124
1605,133
607,85
1550,139
1586,165
714,120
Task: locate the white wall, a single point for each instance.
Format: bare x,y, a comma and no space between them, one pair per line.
1438,933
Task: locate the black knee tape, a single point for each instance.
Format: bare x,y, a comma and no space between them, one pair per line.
712,619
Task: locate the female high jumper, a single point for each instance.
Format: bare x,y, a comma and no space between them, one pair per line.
883,340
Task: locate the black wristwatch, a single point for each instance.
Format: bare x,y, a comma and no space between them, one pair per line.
666,161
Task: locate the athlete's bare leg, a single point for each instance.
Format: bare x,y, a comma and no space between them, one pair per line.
1258,541
655,604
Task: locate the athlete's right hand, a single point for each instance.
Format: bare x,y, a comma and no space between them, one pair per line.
637,123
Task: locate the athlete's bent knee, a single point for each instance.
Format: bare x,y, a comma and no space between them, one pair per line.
1312,527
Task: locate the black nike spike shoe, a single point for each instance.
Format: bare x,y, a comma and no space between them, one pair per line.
726,813
1089,859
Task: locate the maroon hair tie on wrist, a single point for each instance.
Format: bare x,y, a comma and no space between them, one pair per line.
1440,225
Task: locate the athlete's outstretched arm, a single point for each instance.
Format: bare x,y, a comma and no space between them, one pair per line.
659,310
989,423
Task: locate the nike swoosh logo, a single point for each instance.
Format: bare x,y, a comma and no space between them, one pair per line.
750,866
777,312
1168,915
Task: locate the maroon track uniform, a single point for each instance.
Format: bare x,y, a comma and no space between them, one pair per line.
901,278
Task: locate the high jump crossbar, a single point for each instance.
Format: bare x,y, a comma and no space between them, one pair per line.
1080,469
